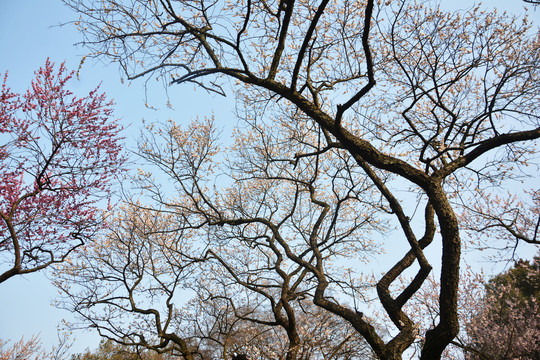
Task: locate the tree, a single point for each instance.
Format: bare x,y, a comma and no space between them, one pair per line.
108,350
235,332
32,349
342,105
58,156
130,285
507,325
499,316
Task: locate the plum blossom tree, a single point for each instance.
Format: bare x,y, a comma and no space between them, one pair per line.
58,156
507,321
499,317
22,349
32,349
130,286
350,112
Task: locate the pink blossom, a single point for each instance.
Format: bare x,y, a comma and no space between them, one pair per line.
58,157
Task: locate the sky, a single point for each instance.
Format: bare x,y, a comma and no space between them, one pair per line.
29,33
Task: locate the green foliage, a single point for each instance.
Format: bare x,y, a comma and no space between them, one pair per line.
522,281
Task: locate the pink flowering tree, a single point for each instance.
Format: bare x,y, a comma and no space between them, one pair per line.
58,157
507,323
500,317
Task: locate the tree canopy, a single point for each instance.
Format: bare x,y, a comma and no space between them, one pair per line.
58,157
507,324
362,126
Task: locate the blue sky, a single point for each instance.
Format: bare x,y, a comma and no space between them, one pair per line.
29,33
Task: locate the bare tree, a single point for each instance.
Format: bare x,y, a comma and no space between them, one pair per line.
126,283
339,116
130,286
